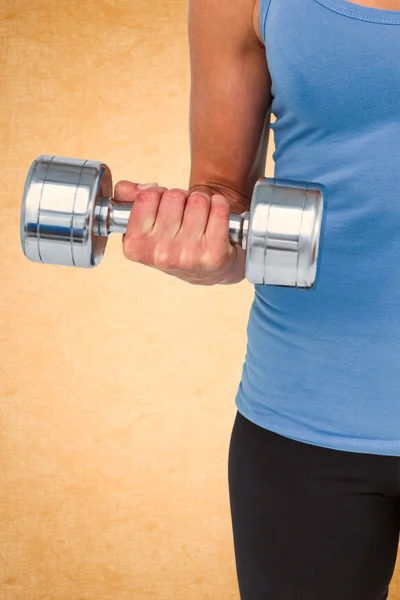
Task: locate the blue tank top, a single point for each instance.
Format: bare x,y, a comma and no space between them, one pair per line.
323,365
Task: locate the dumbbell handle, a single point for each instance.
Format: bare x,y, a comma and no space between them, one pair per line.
113,217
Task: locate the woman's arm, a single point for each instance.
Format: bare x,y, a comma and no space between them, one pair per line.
229,100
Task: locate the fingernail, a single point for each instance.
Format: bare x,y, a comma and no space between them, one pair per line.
145,186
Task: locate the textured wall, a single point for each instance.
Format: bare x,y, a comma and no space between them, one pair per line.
117,385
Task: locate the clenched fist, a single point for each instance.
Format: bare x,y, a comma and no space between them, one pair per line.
181,234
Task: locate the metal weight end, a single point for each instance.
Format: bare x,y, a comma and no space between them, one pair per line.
57,212
24,216
284,233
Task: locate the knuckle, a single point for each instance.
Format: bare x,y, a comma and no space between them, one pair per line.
162,256
135,247
149,194
212,259
221,210
132,252
199,200
176,194
188,260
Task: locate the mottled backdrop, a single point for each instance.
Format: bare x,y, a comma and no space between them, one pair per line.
117,385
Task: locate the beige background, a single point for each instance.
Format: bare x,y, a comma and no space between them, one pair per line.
117,385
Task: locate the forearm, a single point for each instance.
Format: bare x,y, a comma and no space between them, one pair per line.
239,197
229,105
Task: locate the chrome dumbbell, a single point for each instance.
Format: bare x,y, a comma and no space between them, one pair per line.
68,213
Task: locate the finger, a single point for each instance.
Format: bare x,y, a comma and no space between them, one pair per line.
217,232
170,213
126,191
196,216
144,211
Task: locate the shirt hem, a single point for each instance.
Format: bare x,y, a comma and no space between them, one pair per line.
376,447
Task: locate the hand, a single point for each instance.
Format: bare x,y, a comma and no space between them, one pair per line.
180,234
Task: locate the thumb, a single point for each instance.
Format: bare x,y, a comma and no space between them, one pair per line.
127,191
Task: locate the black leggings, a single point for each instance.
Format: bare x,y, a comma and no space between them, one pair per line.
311,523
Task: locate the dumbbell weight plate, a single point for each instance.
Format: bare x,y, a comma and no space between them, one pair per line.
284,233
57,213
67,213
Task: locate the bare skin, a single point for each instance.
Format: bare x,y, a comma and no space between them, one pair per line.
184,233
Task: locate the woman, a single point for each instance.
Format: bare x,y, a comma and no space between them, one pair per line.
314,464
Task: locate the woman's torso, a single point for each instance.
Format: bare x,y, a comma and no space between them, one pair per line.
323,366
